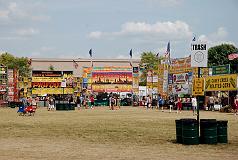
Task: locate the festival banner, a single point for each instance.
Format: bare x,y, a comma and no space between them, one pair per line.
222,69
112,77
221,83
180,89
112,68
204,72
43,91
46,84
165,81
111,88
180,65
10,78
46,79
180,78
68,76
198,87
39,73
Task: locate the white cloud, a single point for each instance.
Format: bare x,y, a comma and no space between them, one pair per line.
95,35
27,32
216,38
13,11
158,31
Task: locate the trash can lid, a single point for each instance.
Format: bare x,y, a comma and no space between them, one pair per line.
189,121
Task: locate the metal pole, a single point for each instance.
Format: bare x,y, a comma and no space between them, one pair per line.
198,100
152,85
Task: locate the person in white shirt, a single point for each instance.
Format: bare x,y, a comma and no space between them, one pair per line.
194,105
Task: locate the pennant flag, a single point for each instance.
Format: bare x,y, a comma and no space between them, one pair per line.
90,52
157,55
233,56
168,48
75,64
167,53
131,53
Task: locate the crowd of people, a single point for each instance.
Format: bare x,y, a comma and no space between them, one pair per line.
114,102
178,103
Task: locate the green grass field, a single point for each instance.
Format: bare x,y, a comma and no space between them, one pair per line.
128,133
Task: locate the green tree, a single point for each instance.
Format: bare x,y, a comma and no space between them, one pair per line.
218,55
14,62
149,62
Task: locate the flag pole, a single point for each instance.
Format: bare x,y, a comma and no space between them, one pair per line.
132,75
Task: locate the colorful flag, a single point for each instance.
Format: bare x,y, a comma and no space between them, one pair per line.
233,56
90,52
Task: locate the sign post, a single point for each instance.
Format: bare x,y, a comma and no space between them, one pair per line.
199,59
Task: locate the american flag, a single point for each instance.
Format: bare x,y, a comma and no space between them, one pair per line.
233,56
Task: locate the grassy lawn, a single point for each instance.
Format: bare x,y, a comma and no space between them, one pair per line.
128,133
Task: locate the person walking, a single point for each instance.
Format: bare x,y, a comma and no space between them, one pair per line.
92,101
179,105
194,105
51,103
147,102
171,104
78,102
160,103
236,105
81,101
110,102
211,102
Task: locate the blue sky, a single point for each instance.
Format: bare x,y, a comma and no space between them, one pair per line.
69,28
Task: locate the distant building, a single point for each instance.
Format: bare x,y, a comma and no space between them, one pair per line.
76,65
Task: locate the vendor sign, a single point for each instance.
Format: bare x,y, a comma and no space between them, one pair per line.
111,88
221,83
222,69
180,89
46,79
42,91
180,78
198,86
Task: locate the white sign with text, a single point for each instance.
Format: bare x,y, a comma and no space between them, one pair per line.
199,54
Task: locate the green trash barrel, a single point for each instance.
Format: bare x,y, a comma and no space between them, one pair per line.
59,106
72,106
222,131
178,131
190,131
67,106
208,131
